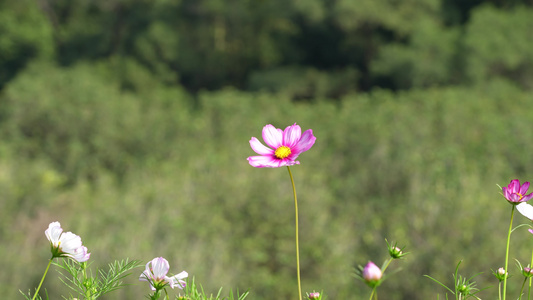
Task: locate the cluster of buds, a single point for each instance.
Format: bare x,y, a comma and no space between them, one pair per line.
371,274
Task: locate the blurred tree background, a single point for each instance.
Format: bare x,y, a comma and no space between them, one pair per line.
128,121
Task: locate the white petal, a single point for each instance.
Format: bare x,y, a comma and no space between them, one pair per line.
177,280
69,242
53,233
526,210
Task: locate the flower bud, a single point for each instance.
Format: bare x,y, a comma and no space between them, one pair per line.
500,274
394,251
314,295
372,273
463,289
527,272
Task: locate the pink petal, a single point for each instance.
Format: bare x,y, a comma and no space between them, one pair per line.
291,135
306,142
288,162
263,161
259,148
523,188
270,162
527,197
514,186
514,198
272,136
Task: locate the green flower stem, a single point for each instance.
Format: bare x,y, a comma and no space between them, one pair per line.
42,279
530,278
507,252
386,266
522,289
156,295
83,267
297,246
500,290
374,294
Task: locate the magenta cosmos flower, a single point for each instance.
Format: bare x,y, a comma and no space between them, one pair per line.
65,244
156,274
516,193
286,146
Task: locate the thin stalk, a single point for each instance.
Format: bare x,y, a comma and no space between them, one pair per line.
507,252
42,279
386,265
522,289
374,294
530,278
156,294
297,245
87,289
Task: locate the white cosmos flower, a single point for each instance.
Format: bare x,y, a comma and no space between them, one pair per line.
65,244
156,274
526,210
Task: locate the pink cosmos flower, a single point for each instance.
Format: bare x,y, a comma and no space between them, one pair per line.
516,193
286,146
156,275
65,244
371,272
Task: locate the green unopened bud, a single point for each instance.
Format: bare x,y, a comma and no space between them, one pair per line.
500,274
394,251
464,289
527,272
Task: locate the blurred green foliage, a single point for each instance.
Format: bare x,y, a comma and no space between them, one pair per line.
129,121
211,44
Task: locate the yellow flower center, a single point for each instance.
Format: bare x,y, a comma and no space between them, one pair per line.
282,152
